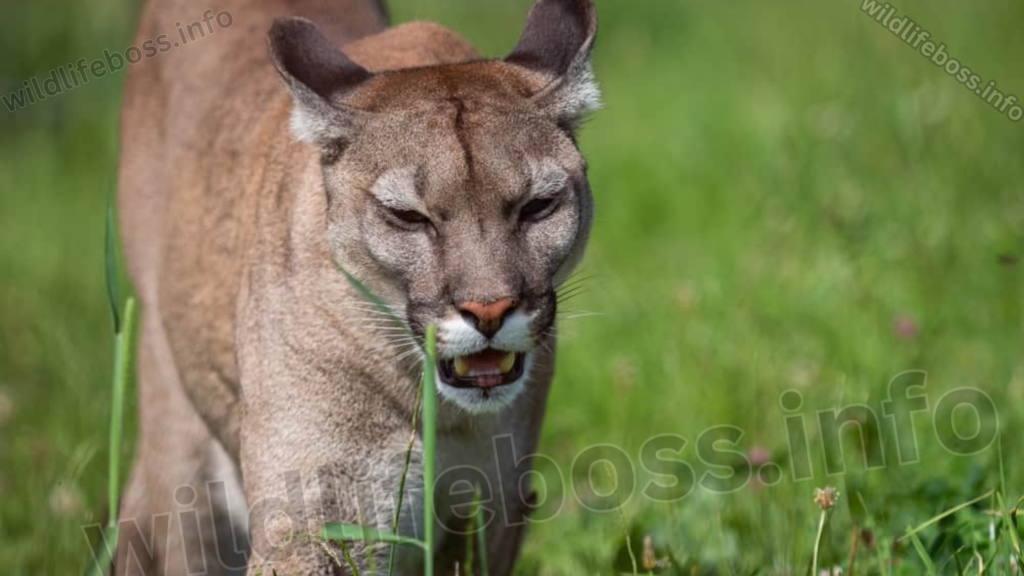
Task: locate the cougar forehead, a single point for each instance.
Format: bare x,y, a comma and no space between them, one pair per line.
459,125
491,82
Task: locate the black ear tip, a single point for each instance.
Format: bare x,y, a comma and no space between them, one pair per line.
558,33
287,29
588,12
574,4
291,24
583,10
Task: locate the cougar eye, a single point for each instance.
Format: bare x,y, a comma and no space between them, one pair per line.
408,217
537,209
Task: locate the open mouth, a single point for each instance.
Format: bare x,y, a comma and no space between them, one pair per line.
487,369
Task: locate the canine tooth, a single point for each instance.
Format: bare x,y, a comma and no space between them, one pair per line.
508,362
461,366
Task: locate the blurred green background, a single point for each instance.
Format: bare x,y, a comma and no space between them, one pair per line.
789,197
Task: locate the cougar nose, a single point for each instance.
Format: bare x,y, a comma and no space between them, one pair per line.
487,318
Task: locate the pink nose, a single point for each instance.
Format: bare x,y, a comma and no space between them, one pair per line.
487,318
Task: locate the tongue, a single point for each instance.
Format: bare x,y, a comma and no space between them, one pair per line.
488,381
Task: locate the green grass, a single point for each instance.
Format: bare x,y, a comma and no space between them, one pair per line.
777,186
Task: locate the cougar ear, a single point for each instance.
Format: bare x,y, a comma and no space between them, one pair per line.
316,72
558,40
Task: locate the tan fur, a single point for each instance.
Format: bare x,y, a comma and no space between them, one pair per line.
258,359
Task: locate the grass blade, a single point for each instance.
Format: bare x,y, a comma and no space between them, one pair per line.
103,554
356,533
124,356
1011,529
822,521
123,360
911,531
429,445
1007,514
348,558
919,547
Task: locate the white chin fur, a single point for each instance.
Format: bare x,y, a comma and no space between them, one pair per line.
490,401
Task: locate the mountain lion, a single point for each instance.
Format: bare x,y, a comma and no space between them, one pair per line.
272,396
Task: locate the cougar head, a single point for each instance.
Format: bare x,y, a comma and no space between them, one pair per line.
456,192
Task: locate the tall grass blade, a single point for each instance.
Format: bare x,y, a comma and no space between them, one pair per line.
123,361
429,445
103,554
124,357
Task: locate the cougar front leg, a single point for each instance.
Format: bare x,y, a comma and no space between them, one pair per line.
299,476
318,444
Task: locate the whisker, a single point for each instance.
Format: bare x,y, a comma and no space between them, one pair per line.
546,344
571,285
405,352
568,297
385,328
582,315
371,310
394,338
374,314
380,322
415,352
369,306
389,346
562,310
401,337
389,332
573,290
578,277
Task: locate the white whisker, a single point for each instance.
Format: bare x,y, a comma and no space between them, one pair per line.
581,315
